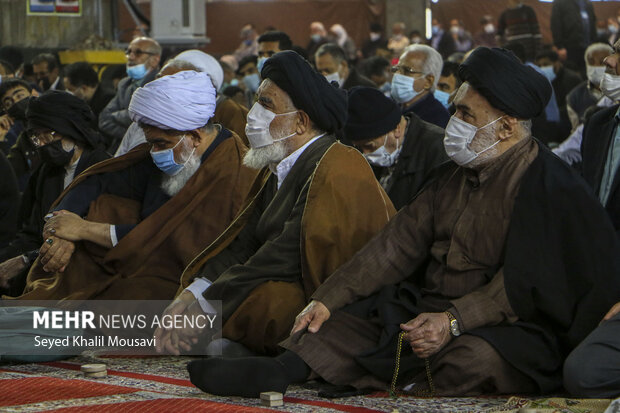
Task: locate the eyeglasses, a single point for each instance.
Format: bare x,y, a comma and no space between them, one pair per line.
404,70
39,139
137,52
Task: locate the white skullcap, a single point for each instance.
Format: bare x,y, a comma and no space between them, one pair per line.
205,63
182,101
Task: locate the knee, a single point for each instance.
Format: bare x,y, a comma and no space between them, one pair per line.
583,374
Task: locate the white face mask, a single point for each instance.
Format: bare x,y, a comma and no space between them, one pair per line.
595,74
610,86
489,28
459,134
333,77
381,156
257,127
375,36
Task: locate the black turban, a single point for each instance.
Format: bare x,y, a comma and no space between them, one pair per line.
371,114
510,86
325,104
63,113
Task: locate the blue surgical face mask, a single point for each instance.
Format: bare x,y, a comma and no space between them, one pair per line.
252,82
548,72
137,72
261,63
164,160
442,97
316,38
402,88
386,88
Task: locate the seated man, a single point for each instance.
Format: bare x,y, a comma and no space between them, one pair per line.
59,125
415,78
331,62
402,149
148,213
320,205
478,286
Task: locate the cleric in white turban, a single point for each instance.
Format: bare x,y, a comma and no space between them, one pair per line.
152,209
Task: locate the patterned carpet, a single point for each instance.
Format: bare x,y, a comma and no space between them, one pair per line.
161,385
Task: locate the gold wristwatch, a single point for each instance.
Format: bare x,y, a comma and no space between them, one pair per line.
455,330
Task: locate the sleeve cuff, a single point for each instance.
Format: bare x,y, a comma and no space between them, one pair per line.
113,236
197,288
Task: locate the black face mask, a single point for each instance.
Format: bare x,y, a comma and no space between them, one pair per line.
45,83
18,110
54,154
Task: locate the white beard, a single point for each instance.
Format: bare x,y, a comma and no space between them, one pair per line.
171,185
260,157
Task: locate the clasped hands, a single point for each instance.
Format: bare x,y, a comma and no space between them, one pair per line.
60,232
175,340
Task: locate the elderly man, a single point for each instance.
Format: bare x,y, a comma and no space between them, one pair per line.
227,112
319,206
402,149
143,54
331,62
59,125
477,286
600,148
151,210
414,81
588,93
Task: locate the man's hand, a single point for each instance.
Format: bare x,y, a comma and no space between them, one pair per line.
66,225
5,124
9,269
167,340
427,333
612,312
313,317
55,255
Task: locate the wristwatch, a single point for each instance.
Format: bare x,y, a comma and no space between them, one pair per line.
455,330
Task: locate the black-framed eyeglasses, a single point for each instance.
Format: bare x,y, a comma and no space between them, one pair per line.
137,52
407,71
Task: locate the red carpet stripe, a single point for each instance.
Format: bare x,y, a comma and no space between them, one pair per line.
40,389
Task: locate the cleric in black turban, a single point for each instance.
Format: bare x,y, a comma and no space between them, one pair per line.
510,86
65,114
325,104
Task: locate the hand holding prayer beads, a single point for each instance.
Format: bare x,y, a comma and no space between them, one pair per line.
427,333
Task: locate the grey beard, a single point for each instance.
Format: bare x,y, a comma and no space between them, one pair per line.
260,157
171,185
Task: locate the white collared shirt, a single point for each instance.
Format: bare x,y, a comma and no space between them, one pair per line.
286,164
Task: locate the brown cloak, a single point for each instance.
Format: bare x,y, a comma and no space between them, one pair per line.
148,261
345,207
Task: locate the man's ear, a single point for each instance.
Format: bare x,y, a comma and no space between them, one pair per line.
507,127
303,122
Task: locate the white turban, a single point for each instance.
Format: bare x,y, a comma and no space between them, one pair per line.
205,63
182,101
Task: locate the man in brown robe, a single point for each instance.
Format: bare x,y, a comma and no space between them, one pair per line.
320,205
127,227
480,285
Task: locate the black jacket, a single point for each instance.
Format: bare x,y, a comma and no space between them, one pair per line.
44,186
9,202
422,151
597,136
99,101
430,110
356,79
